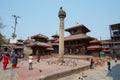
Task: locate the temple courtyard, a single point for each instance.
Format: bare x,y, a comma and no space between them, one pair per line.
49,68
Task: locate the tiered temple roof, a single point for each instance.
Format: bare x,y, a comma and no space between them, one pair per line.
39,44
76,37
78,29
94,45
39,36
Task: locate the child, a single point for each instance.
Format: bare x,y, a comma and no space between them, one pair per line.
30,61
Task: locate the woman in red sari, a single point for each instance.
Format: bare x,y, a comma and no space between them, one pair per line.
5,61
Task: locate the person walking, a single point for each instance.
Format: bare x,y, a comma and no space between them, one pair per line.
14,60
5,61
109,65
38,57
115,59
30,60
92,64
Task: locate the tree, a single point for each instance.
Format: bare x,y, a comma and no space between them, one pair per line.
1,36
94,38
1,39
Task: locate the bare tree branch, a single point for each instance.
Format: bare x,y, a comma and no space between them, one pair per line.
1,24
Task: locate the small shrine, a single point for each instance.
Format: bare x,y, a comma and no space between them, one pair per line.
95,48
106,51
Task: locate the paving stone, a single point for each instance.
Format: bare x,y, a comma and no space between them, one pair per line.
100,73
7,74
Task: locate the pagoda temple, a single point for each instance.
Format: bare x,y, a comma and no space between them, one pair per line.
54,42
77,41
40,44
106,51
95,48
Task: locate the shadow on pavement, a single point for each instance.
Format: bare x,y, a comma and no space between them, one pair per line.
115,72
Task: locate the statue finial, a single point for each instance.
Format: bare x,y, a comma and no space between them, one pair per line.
61,7
61,13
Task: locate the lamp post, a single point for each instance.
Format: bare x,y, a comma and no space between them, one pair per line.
15,17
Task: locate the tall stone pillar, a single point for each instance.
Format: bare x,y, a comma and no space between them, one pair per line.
61,15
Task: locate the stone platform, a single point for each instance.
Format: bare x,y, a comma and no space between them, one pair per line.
50,69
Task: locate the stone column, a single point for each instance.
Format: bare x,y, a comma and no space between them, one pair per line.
61,15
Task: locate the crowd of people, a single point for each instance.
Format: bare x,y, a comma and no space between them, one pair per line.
12,58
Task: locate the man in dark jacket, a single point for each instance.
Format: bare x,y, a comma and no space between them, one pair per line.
109,65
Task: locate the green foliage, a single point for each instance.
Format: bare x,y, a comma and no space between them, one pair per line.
1,36
94,38
1,39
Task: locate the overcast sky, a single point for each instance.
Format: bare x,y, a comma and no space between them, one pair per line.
41,16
